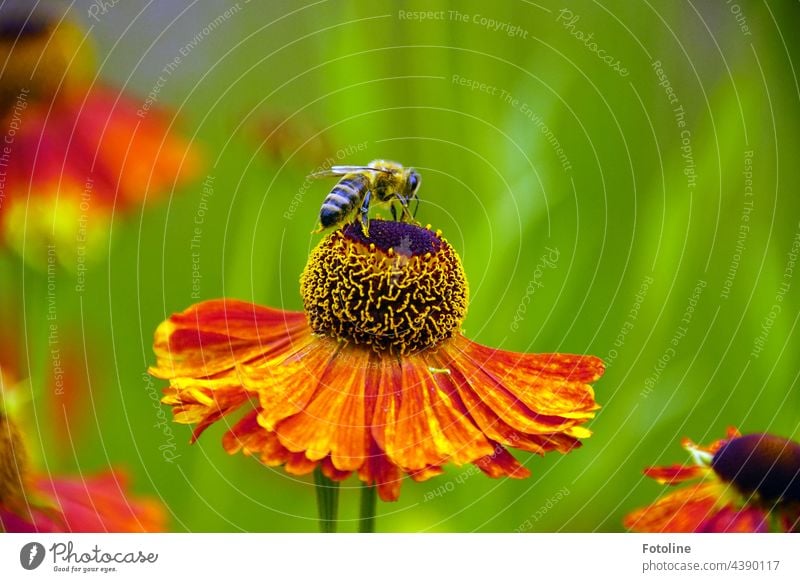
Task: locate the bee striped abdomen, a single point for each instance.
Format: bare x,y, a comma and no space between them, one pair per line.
342,200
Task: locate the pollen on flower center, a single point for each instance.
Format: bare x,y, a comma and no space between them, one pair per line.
762,463
402,289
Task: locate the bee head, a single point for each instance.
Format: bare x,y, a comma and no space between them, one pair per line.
413,181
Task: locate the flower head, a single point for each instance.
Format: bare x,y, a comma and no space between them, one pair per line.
745,483
75,150
41,57
375,378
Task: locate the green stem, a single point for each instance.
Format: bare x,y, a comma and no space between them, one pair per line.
327,501
368,500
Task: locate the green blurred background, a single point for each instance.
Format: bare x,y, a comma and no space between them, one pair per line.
556,151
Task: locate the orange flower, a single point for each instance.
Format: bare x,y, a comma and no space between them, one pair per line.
747,483
375,378
74,151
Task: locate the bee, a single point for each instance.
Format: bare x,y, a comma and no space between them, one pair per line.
381,181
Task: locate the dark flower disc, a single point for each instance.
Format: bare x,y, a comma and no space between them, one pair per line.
761,463
402,289
404,238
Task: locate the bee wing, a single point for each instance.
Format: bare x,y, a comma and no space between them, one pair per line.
342,170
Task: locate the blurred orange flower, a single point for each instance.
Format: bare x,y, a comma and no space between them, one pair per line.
375,377
74,151
747,483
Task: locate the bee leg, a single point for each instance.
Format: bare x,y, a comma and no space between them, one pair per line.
394,212
416,207
405,214
365,213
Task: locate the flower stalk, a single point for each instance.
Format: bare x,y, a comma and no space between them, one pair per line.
327,502
369,499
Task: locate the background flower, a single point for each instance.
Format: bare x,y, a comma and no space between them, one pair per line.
34,500
747,483
87,503
75,151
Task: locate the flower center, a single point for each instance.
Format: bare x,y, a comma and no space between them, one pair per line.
402,289
762,463
22,27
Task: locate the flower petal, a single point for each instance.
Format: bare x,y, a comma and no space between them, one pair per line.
141,153
685,510
549,384
285,385
203,402
214,336
732,520
251,438
675,474
564,402
333,422
502,464
378,470
98,503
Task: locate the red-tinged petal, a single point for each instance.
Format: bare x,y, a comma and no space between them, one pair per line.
12,522
563,442
548,384
502,464
426,473
401,424
684,510
333,421
331,472
492,426
474,381
252,439
203,402
214,336
378,470
732,432
497,429
298,464
286,384
451,427
96,504
141,152
675,474
732,520
711,449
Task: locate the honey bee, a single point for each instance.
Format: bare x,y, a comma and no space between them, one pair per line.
381,182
